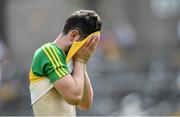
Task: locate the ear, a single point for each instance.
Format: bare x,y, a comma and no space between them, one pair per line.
74,35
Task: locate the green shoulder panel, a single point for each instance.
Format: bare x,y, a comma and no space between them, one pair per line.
50,61
38,62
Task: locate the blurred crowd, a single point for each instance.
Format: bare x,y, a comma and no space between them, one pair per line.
134,71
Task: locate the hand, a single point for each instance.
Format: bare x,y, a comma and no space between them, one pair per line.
87,50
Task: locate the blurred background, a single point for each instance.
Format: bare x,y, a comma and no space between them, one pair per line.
135,70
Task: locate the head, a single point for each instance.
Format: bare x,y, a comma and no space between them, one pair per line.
80,24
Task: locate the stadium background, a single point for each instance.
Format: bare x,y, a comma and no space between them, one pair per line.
135,70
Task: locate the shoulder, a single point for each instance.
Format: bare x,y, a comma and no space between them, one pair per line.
49,49
53,51
39,58
39,54
49,53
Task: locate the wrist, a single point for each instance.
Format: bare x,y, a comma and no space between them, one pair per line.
81,60
79,63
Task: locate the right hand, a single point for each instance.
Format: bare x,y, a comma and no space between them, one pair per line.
87,50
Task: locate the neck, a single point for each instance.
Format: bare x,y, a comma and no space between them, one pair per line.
61,41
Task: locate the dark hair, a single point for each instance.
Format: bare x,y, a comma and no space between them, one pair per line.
86,21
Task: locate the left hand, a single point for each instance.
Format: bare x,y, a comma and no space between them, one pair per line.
87,50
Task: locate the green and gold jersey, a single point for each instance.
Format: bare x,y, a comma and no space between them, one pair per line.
49,61
48,65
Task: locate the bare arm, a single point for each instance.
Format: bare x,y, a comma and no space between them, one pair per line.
87,99
70,87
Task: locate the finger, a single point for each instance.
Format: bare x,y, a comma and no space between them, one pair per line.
86,45
96,40
88,42
93,41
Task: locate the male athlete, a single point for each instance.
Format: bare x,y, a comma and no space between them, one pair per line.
58,84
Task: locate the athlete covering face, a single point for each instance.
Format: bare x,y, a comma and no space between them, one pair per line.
58,77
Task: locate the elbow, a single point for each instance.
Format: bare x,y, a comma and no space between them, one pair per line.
75,100
85,107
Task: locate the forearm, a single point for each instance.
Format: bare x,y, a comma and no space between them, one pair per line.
87,99
78,76
71,87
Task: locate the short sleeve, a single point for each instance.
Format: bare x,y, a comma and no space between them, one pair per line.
56,67
49,61
38,62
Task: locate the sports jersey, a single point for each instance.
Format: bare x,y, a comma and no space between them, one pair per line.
48,65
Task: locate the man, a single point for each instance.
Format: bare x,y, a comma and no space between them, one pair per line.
56,88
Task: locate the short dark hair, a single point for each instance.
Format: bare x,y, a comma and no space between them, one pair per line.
86,21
